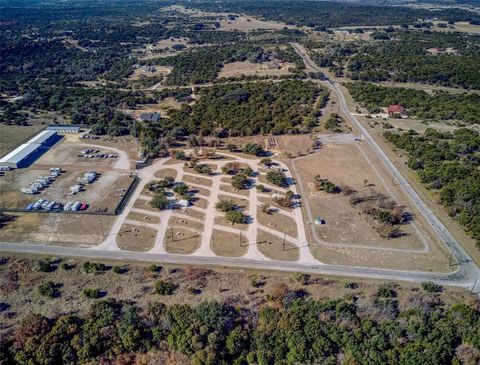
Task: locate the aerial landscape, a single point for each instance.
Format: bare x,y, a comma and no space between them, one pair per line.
239,182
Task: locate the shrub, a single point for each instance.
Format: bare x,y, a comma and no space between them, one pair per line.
91,293
235,217
253,149
117,269
163,287
65,266
180,189
226,205
239,181
277,178
93,267
386,291
248,171
159,201
45,266
154,268
203,169
430,287
49,289
261,188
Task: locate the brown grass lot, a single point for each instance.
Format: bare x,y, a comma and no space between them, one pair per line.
221,221
136,238
399,159
272,247
231,189
62,229
185,241
141,217
200,203
144,205
177,221
345,164
228,244
297,145
268,200
278,222
13,135
21,279
197,180
247,68
161,174
199,190
190,212
241,203
190,170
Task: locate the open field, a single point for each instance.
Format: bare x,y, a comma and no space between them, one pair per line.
278,222
197,180
162,107
185,241
275,247
228,244
345,164
232,190
13,135
241,203
136,238
247,68
141,217
221,221
247,23
183,222
161,174
140,72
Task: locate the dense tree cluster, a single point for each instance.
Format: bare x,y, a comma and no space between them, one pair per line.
290,330
438,105
321,14
250,108
407,57
449,164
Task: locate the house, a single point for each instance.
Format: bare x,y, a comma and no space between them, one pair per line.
395,110
150,117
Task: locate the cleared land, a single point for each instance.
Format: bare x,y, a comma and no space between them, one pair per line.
185,241
247,68
228,244
279,222
276,248
136,238
141,217
13,135
197,180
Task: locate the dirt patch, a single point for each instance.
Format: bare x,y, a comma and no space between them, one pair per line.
278,222
276,248
221,221
232,190
141,217
163,173
136,238
197,180
297,145
247,68
185,241
228,244
200,203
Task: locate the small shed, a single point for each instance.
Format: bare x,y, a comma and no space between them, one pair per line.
319,221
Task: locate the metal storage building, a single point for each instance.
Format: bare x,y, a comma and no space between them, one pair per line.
23,155
46,138
62,128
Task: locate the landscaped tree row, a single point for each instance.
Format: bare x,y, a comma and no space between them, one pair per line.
287,330
440,105
250,108
449,165
449,59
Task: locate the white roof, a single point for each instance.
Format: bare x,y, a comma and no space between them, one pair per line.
184,202
19,153
42,137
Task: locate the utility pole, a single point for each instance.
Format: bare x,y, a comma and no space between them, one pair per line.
451,257
283,243
171,232
101,227
241,245
473,286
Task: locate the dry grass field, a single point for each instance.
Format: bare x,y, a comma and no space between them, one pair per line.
161,174
197,180
136,238
221,221
248,68
13,135
278,222
141,217
276,248
185,241
345,164
228,244
231,189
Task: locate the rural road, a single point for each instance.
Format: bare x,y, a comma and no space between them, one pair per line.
456,278
467,266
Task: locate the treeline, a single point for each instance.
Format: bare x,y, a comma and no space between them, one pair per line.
449,164
250,108
290,330
321,14
405,57
440,105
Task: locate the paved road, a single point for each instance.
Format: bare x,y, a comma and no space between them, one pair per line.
320,269
467,268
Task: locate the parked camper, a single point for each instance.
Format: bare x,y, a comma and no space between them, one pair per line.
75,206
67,206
